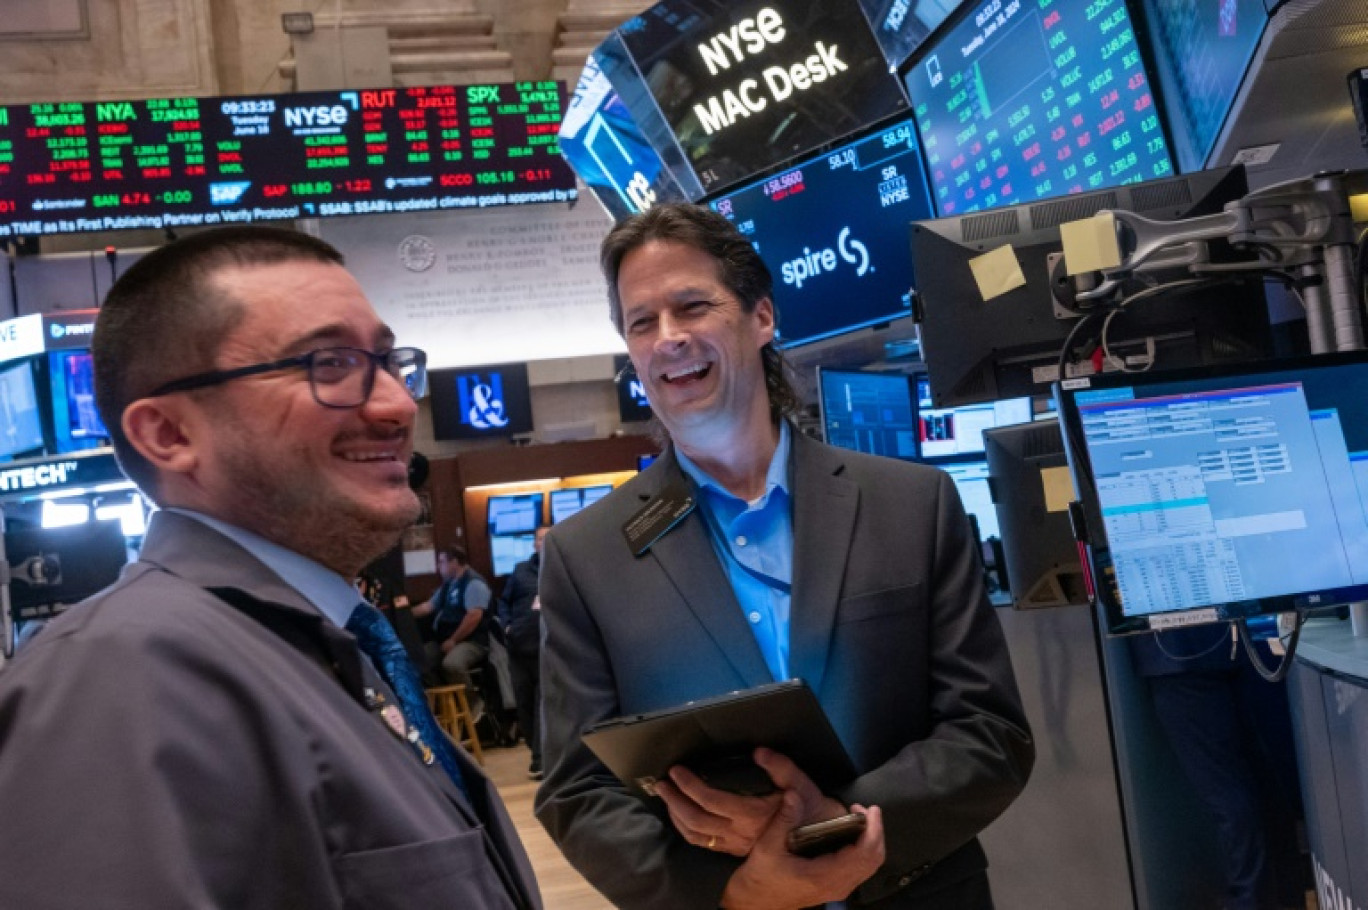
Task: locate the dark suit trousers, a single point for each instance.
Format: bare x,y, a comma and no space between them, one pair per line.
526,670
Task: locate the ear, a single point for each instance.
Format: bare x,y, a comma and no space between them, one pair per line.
156,427
764,315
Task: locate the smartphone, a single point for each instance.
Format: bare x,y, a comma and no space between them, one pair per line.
824,837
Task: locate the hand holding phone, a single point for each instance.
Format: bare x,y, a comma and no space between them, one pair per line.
826,836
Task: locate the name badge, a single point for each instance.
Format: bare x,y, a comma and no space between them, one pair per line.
665,510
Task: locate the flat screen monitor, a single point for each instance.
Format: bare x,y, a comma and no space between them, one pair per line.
1028,479
76,421
901,25
949,434
21,422
508,550
1202,52
514,513
480,402
1008,345
833,228
868,412
1222,494
745,86
1020,101
608,151
567,502
971,480
633,405
644,461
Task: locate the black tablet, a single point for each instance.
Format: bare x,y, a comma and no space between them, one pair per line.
714,737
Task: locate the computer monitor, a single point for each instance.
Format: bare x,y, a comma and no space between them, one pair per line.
971,480
480,402
833,230
1202,52
869,412
1222,494
21,423
515,513
956,434
508,550
1008,345
567,502
76,422
1028,480
644,461
1021,101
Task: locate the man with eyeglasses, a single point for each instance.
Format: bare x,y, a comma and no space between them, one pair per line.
216,728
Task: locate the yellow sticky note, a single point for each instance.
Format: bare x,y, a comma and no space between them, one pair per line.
997,272
1059,489
1090,244
1358,208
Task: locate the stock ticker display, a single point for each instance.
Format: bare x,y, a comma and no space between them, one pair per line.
834,232
1027,99
171,162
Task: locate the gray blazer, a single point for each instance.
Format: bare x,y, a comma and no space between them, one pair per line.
890,627
161,748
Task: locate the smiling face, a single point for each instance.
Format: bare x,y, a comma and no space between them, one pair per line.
695,348
330,483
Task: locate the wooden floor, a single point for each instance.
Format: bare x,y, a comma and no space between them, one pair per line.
562,887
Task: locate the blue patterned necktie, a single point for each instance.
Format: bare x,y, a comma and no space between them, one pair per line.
377,638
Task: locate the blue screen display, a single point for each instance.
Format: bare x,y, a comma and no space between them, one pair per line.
604,146
834,232
1202,51
1020,101
21,424
519,513
75,420
869,412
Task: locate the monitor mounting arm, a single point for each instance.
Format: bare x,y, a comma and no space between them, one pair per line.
1302,226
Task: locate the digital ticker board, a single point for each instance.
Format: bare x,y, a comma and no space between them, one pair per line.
175,162
1021,100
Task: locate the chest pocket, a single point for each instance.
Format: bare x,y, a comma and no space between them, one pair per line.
451,872
905,599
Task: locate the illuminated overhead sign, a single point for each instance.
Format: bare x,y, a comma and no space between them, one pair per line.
172,162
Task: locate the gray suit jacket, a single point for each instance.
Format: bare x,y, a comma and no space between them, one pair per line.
160,747
890,627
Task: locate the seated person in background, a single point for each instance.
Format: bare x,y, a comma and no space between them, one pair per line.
454,621
855,573
227,725
520,618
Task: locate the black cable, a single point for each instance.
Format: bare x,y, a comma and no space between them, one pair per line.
1062,373
1278,673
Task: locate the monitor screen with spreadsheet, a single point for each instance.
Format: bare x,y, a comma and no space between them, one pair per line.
1217,495
869,412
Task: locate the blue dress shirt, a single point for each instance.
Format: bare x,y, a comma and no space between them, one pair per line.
754,542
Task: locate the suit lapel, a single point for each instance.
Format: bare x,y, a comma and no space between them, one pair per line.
687,558
824,511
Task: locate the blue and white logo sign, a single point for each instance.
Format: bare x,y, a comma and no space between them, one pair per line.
482,405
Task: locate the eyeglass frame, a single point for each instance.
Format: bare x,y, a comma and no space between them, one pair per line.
212,378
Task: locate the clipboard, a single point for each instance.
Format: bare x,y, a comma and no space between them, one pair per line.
714,738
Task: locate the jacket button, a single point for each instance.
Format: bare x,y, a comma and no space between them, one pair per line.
904,881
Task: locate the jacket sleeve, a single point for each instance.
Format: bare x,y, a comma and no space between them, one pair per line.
626,848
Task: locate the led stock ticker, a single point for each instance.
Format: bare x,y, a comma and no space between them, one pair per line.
173,162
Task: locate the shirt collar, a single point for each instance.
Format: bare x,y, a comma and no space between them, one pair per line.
332,594
775,478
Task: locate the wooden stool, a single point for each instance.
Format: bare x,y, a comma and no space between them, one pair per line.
453,715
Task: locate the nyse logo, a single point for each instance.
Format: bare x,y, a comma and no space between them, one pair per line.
321,115
482,405
814,263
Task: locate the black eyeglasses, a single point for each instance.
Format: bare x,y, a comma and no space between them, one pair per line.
338,377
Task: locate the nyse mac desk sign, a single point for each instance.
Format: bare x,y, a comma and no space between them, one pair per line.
750,85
